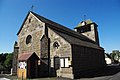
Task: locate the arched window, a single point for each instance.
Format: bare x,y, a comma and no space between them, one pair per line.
56,44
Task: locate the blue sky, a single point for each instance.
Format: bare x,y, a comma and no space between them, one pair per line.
106,13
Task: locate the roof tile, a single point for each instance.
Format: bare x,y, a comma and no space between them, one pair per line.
25,56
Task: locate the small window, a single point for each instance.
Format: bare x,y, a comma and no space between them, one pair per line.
28,39
29,20
88,28
64,62
56,44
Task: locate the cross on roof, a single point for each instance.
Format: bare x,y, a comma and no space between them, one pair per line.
32,8
84,17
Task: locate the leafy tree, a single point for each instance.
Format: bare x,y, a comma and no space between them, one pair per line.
3,57
115,56
5,61
112,55
1,67
8,61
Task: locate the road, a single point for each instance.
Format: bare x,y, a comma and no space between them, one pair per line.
4,79
111,72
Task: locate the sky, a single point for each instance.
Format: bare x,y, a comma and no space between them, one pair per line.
106,13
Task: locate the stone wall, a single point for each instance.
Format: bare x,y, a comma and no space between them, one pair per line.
15,59
92,34
63,50
34,27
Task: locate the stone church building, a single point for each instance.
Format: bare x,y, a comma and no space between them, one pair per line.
46,48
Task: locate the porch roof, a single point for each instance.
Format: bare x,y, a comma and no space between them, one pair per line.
25,56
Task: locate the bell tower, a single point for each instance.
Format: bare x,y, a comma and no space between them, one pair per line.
88,29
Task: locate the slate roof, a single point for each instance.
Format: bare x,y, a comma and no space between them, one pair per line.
25,56
87,22
70,35
62,29
77,41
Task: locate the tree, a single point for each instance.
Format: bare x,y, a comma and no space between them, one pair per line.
8,61
1,67
5,62
115,56
3,58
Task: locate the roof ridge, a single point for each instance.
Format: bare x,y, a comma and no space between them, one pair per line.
62,28
57,27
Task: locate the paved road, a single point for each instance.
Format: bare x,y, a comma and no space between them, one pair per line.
111,72
4,79
114,77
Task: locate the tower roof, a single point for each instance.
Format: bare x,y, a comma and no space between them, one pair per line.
83,23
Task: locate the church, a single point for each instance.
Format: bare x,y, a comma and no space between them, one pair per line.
46,48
